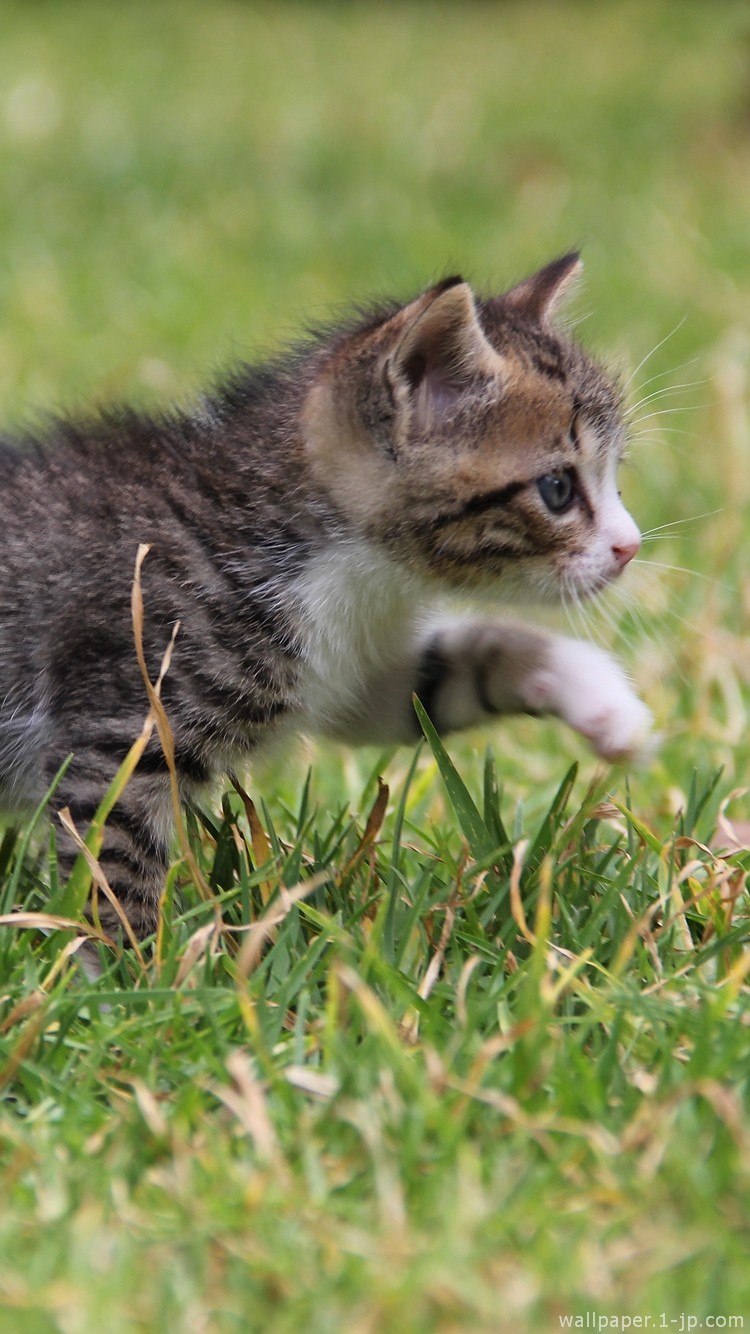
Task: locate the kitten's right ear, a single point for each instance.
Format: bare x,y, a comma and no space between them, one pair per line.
538,298
443,346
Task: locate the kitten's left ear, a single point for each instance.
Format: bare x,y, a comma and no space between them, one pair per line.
444,346
538,298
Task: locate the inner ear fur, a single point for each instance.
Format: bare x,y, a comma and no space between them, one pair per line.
444,346
538,298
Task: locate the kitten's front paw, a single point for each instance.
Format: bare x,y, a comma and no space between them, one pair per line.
585,687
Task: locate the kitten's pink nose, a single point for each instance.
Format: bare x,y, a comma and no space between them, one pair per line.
624,553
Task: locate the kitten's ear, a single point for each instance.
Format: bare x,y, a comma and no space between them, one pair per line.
538,298
443,346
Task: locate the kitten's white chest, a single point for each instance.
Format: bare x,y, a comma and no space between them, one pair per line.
357,612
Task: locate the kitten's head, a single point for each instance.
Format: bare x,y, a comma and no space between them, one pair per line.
475,442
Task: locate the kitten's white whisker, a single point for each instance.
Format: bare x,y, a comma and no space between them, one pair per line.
683,569
661,393
608,614
581,610
694,518
660,436
672,371
661,537
658,432
666,412
655,349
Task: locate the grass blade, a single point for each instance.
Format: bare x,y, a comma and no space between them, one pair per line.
475,831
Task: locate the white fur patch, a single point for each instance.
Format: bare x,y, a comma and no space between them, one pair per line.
357,611
590,692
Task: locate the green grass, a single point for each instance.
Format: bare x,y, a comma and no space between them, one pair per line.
558,1123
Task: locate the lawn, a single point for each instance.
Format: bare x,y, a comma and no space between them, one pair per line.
488,1071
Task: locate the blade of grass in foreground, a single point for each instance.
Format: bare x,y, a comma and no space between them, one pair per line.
12,886
475,831
551,822
74,895
492,797
394,880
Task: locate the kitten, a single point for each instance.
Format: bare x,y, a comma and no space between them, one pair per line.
303,526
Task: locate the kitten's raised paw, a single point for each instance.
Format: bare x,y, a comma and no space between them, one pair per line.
585,687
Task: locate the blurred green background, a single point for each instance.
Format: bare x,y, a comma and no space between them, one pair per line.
186,183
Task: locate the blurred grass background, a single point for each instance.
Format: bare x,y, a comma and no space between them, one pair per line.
185,184
186,181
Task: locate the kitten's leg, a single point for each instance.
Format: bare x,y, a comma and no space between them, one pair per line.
466,671
135,848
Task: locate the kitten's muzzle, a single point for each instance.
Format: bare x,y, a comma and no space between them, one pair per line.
625,553
623,536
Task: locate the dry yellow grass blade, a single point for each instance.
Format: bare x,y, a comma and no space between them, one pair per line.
495,1045
103,884
247,1102
372,829
735,977
29,1005
149,1109
45,921
315,1082
436,962
162,725
641,927
516,906
77,888
23,1046
66,953
261,845
193,951
552,991
463,983
257,933
409,1026
371,1006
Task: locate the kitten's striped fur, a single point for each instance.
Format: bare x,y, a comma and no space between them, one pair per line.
303,527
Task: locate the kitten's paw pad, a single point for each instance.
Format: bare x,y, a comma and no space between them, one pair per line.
590,691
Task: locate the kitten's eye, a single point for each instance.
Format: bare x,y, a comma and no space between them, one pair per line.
558,489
